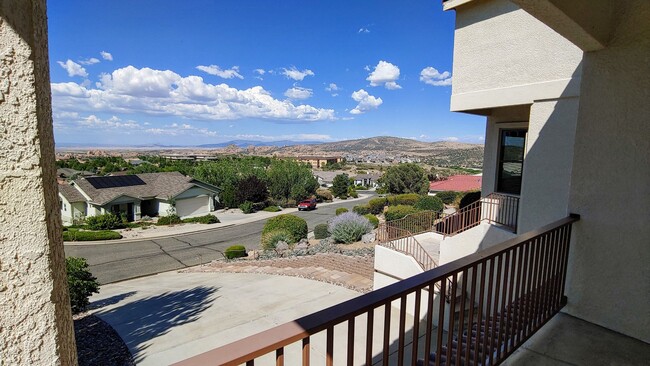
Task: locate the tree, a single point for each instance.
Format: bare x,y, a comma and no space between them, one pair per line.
340,185
81,283
406,178
290,179
252,189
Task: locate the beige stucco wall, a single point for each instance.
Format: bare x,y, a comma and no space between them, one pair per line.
609,269
503,56
547,164
36,324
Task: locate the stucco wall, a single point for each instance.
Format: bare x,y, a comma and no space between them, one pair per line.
504,56
548,162
36,323
609,271
471,241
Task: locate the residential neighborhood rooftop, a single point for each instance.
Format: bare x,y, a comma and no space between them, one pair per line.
458,183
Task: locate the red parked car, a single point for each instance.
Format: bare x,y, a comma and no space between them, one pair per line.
309,204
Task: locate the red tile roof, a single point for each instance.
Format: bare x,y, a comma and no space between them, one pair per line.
459,183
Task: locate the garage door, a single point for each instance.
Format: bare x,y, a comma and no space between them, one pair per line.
193,206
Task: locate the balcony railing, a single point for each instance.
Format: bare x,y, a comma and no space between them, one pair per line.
502,296
402,240
495,208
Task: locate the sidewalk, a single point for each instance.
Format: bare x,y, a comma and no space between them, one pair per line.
229,217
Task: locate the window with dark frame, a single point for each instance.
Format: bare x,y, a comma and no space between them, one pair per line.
511,160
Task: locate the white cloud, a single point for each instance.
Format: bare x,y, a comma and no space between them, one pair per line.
298,93
332,87
106,56
259,71
89,61
296,74
367,67
432,76
233,72
385,74
165,93
450,138
363,30
366,102
73,68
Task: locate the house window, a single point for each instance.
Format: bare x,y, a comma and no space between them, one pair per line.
511,161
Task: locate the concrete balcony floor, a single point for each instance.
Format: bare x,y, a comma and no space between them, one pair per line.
566,340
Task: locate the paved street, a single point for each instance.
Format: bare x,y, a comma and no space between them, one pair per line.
125,260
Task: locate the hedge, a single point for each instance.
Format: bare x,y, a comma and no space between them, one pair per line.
361,209
377,205
447,197
408,199
272,209
430,203
399,212
321,231
77,235
206,219
296,226
169,220
235,251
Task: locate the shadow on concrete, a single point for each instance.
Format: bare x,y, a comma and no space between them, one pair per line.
140,321
110,300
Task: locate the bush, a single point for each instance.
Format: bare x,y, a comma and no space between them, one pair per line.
81,283
272,209
353,193
430,203
409,199
206,219
169,220
373,219
247,207
251,189
296,226
341,210
361,209
270,239
235,251
324,194
469,198
321,231
447,197
349,227
107,221
399,212
340,185
377,205
77,235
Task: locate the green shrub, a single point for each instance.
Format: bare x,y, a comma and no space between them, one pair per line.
361,209
296,226
77,235
399,212
169,220
107,221
270,239
430,203
408,199
469,198
373,219
341,210
272,209
447,197
353,193
321,231
247,207
349,227
377,205
206,219
81,283
235,251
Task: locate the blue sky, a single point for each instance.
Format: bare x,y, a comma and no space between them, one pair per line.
196,72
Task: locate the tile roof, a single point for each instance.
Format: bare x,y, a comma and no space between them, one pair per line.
157,185
71,193
459,183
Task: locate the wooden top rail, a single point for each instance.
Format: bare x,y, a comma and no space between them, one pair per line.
270,340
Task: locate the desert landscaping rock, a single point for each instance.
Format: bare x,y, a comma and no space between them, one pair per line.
368,238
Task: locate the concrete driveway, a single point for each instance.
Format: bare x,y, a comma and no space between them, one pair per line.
171,316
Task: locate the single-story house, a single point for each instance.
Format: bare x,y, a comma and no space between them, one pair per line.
63,174
137,195
367,180
458,183
326,178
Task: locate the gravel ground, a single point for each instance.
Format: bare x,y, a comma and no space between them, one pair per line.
98,343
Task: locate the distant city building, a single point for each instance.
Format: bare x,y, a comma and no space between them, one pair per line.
317,162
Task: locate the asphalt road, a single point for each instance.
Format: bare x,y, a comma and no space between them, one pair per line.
126,260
